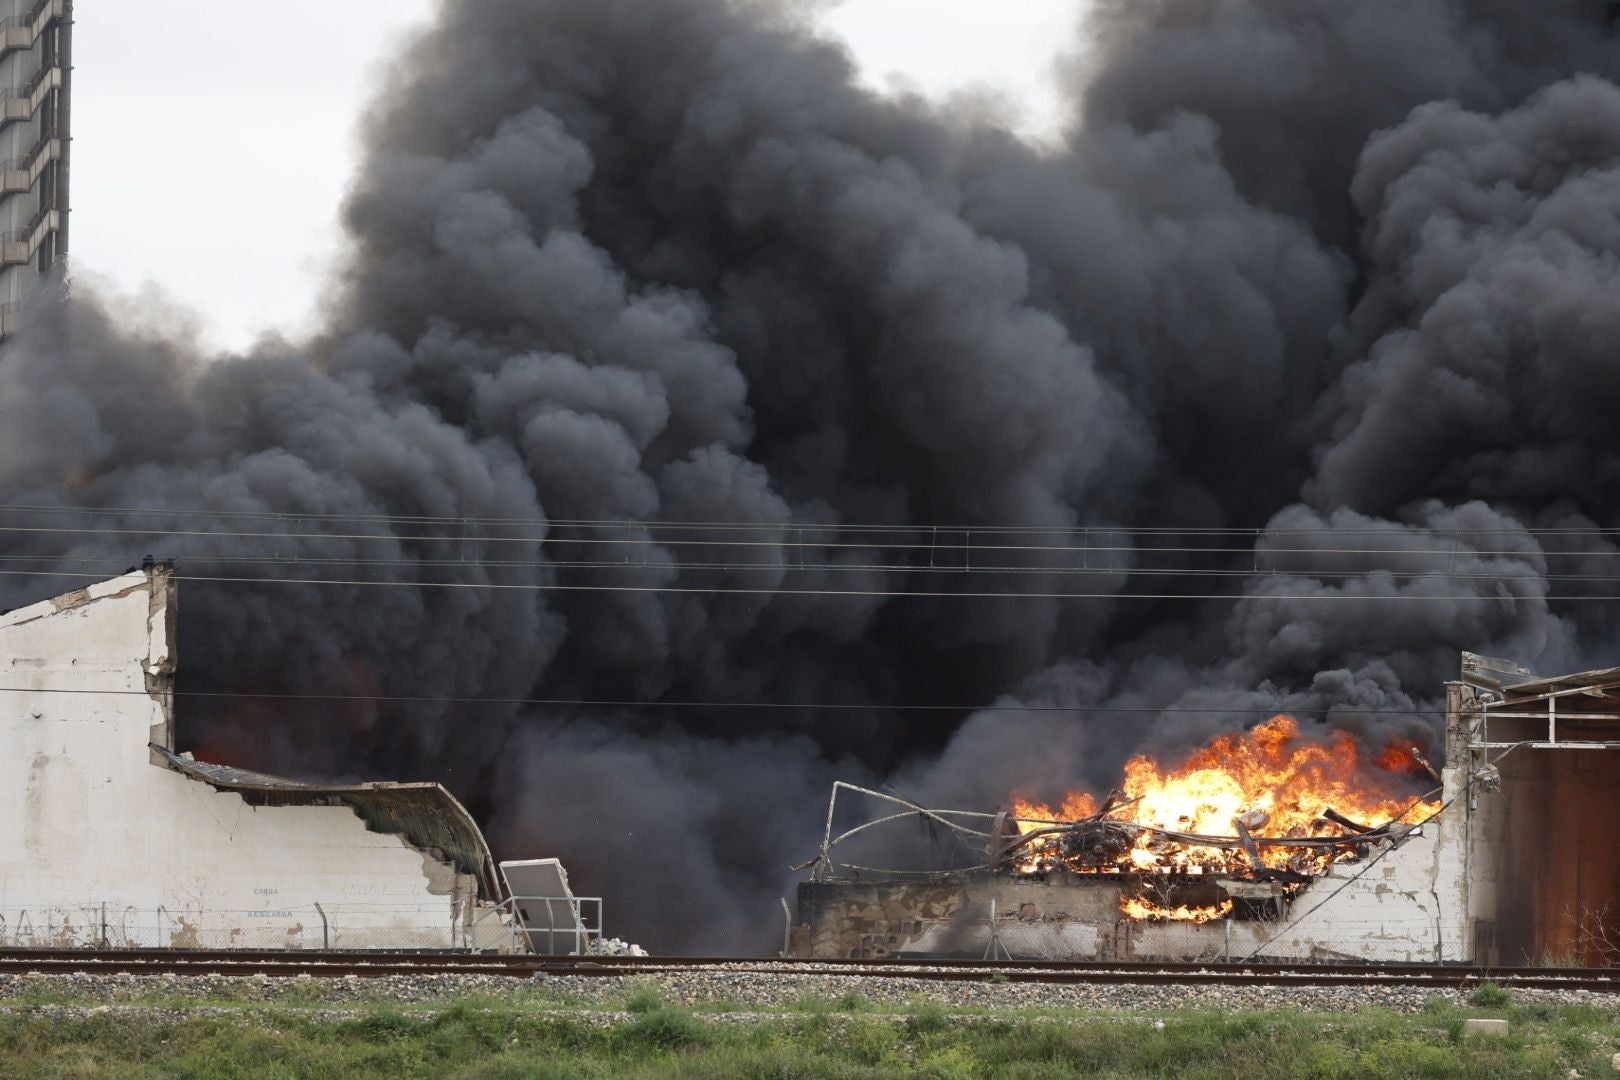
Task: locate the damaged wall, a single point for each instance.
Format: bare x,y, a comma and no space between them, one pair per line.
1518,868
1403,903
1398,911
102,840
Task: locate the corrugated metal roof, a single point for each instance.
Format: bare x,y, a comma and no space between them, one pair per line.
1598,682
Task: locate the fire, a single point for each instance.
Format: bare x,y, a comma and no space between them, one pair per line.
1270,779
1076,805
1138,908
1400,759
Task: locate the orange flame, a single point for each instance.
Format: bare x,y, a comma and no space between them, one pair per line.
1138,908
1399,759
1277,782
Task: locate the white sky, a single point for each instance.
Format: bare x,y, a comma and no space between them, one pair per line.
209,158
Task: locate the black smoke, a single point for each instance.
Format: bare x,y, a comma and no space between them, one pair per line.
1336,278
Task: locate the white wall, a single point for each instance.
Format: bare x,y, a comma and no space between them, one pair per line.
93,832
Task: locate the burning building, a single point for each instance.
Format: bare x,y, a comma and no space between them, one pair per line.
109,837
1275,846
703,426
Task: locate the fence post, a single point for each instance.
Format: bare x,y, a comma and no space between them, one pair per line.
326,931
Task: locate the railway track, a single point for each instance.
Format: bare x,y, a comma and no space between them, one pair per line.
371,965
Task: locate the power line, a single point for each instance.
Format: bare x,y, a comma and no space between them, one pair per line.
992,528
779,706
969,546
812,568
814,545
717,590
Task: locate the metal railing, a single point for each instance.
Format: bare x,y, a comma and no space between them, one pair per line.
566,921
28,160
31,234
26,91
37,18
33,163
18,105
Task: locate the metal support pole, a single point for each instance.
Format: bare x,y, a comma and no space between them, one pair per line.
995,950
787,927
990,946
326,930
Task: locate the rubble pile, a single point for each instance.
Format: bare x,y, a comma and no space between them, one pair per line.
614,947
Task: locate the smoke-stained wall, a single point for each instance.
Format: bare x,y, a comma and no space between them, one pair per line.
1336,276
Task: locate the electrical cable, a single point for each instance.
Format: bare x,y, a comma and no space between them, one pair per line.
549,539
405,699
267,560
1058,530
940,594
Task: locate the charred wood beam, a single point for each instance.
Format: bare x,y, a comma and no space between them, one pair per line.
1339,819
1249,847
1116,802
1003,835
1203,840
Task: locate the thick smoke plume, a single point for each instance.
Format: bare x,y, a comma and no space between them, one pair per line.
1337,277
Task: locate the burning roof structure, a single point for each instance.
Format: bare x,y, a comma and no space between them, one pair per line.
1266,843
1267,805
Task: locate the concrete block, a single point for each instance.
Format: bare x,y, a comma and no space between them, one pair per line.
1485,1027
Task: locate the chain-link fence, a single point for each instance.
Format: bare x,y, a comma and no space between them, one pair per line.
553,925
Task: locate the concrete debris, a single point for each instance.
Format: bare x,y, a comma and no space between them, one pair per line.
614,947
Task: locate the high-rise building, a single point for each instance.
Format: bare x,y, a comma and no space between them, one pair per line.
36,52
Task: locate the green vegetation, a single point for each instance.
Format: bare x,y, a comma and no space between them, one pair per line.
1491,996
846,1038
644,999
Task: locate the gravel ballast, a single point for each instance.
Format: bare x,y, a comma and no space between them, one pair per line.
742,991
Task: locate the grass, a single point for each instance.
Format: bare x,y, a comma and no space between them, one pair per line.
498,1037
1491,996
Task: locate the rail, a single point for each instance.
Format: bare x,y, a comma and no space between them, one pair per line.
322,964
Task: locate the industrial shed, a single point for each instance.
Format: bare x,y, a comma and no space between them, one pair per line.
109,837
1516,867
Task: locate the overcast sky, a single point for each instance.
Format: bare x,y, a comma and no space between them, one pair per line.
209,159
